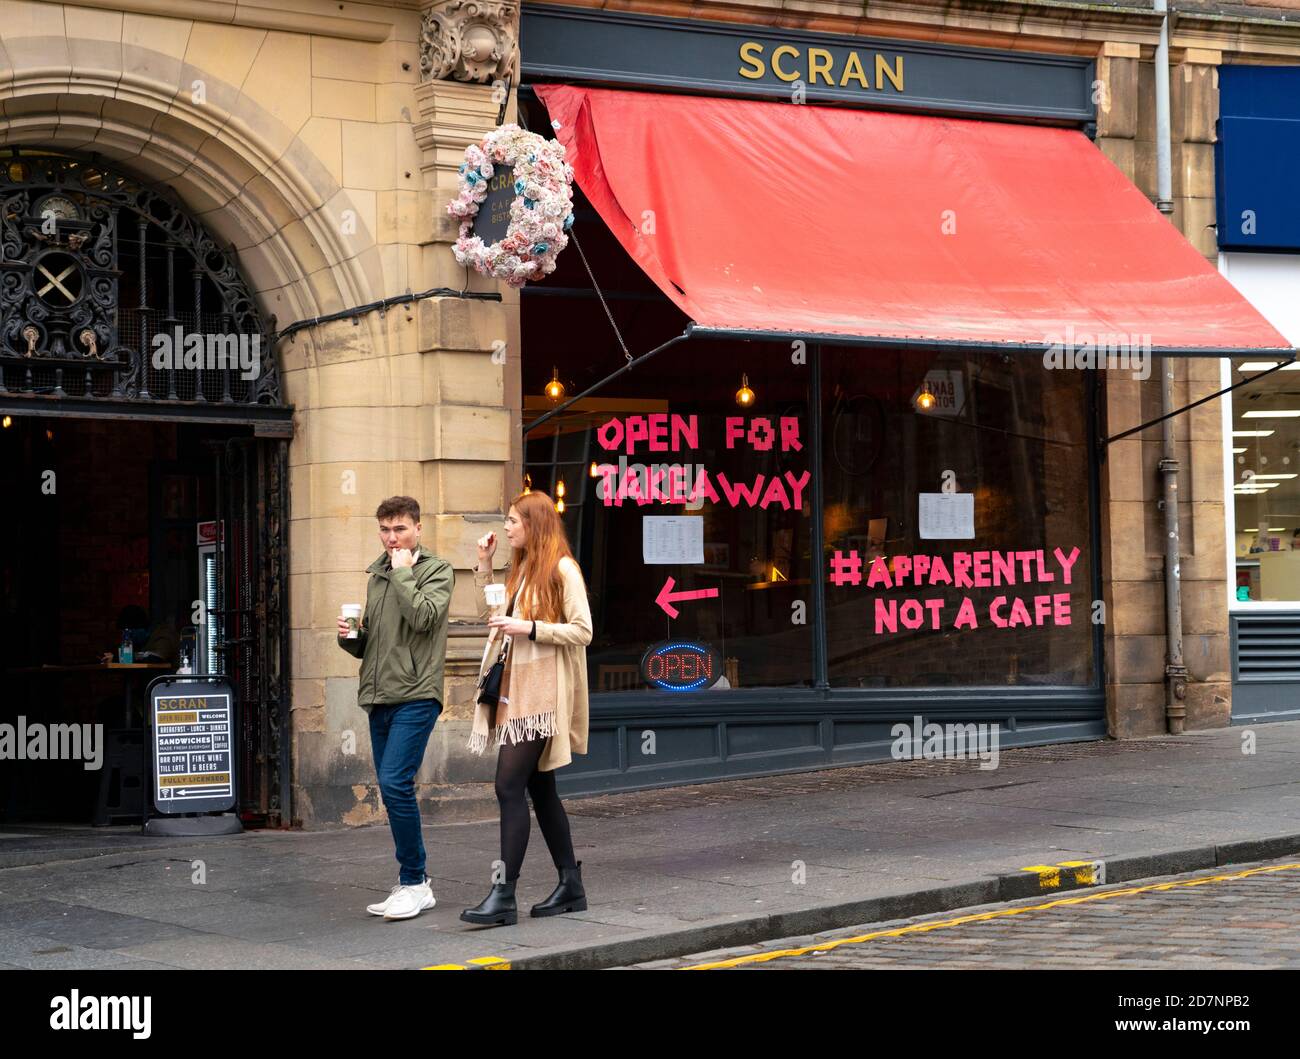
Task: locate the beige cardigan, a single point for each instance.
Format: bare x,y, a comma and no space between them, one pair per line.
569,640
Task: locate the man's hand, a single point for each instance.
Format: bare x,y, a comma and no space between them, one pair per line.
402,559
343,628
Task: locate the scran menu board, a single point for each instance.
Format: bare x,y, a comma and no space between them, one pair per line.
192,739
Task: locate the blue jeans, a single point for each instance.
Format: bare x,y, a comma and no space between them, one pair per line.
398,735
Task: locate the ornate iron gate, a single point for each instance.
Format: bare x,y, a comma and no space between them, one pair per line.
252,621
109,289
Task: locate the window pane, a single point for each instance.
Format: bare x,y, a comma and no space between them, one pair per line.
1266,482
1002,429
756,541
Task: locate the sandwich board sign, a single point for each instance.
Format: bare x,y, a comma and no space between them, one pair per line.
191,744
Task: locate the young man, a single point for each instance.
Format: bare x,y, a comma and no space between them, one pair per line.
402,643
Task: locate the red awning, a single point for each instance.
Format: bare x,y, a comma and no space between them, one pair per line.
795,219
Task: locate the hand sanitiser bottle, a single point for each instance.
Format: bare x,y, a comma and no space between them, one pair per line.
126,652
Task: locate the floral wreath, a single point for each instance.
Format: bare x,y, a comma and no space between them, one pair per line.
540,215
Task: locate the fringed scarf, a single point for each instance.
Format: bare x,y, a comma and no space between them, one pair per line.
529,690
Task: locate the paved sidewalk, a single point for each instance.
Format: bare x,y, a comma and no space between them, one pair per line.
667,872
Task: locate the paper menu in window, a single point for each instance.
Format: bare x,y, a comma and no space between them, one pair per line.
947,516
670,539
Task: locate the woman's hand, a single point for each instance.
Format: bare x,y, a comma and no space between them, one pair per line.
511,626
487,546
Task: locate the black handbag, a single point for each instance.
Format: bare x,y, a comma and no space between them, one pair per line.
489,685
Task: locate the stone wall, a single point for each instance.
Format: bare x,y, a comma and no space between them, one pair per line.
1132,522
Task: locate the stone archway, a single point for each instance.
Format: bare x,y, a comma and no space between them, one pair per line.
274,203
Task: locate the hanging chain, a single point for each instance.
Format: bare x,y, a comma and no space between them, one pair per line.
604,305
521,119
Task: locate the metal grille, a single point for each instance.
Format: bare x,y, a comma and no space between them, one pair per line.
251,623
108,289
1268,649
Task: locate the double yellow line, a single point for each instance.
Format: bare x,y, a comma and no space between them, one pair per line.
921,928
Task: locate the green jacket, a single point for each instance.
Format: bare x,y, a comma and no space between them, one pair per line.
403,637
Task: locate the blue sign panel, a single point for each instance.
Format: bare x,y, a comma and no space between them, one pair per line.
1257,158
492,221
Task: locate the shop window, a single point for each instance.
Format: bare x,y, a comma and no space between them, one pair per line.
1265,444
740,551
1014,436
1007,433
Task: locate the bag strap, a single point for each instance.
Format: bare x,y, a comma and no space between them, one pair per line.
505,639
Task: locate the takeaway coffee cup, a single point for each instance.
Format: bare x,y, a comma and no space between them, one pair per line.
496,595
352,615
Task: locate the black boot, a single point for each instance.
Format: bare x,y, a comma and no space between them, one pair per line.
497,909
569,896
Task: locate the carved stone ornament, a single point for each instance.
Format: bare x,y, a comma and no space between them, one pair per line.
470,40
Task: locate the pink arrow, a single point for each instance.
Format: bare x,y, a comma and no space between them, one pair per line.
667,597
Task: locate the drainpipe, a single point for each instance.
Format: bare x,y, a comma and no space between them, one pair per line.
1175,670
1164,164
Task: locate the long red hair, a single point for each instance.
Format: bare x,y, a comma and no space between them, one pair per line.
538,562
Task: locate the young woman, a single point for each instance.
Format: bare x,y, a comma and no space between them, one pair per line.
540,720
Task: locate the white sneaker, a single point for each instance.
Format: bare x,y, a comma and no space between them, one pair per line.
407,902
380,907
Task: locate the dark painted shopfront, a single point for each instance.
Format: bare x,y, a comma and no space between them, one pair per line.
764,610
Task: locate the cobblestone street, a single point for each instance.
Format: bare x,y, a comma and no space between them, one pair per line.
1246,917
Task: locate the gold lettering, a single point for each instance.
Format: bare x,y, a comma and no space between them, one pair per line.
181,704
819,62
853,68
821,66
750,52
784,49
895,75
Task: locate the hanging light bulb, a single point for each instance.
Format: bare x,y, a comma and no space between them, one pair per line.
528,482
559,505
744,396
555,388
595,471
559,487
925,398
8,422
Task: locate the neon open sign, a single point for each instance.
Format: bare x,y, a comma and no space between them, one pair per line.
681,666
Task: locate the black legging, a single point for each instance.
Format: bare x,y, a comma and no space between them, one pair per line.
517,772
